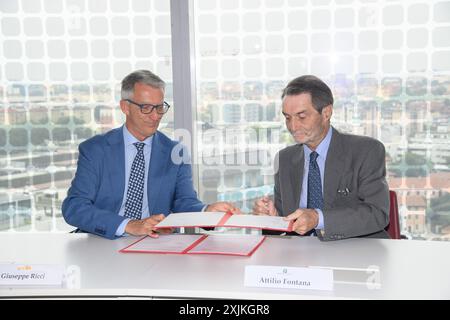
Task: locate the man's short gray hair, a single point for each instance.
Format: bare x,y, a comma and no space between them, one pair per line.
140,76
321,95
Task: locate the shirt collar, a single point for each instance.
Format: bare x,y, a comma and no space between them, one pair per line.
322,148
129,139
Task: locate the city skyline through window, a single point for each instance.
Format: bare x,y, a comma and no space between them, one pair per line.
60,73
387,64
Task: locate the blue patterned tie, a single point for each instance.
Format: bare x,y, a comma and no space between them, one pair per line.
135,192
315,198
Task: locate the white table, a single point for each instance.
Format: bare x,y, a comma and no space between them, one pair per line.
408,269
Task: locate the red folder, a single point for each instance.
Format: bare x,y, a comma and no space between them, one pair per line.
221,219
235,245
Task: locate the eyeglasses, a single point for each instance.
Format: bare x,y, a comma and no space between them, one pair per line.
148,108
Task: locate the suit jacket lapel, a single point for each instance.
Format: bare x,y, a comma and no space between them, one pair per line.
115,164
297,162
334,167
158,162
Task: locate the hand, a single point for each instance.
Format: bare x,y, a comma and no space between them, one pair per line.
223,207
305,220
265,206
146,226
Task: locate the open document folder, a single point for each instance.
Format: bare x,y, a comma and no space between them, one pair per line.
221,219
236,245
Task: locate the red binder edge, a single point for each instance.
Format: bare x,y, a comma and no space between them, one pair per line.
221,222
224,219
291,224
193,245
248,254
289,228
189,247
124,249
257,246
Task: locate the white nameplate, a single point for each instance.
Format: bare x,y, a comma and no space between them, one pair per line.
13,274
288,277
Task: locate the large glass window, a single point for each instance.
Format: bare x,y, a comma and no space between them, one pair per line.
388,65
61,65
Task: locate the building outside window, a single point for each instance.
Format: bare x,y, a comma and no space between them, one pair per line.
60,71
388,64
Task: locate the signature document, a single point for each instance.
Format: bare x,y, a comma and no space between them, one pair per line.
221,219
236,245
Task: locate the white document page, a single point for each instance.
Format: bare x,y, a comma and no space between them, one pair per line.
170,243
233,244
260,222
191,219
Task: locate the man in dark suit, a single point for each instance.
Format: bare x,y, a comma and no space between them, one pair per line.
129,178
331,184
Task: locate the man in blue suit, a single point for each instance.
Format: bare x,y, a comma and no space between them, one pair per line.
128,179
